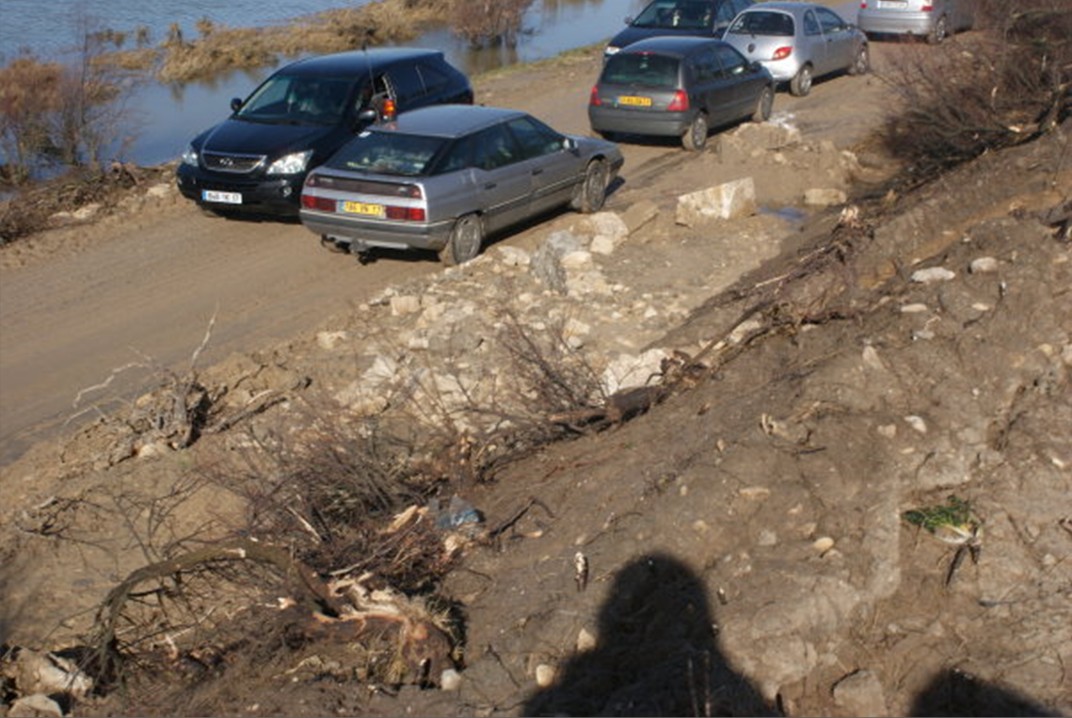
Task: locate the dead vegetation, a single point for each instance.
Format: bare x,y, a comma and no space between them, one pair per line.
962,100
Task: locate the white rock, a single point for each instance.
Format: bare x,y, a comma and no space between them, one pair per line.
450,680
37,705
915,308
545,675
917,423
602,244
330,340
585,641
983,265
407,304
730,200
932,274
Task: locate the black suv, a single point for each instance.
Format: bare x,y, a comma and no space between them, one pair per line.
705,18
256,160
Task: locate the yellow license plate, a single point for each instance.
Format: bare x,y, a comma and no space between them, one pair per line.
369,210
633,101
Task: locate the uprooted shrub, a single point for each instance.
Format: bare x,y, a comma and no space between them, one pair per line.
998,88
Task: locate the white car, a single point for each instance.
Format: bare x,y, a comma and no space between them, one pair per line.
934,19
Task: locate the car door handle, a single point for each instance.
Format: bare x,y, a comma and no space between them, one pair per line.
537,172
490,185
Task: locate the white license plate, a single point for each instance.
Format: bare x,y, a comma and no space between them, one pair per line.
892,4
211,195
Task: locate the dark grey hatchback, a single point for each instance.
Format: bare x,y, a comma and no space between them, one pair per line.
678,87
255,162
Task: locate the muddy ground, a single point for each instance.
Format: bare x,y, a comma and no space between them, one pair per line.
746,540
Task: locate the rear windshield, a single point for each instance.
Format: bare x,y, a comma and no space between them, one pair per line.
762,22
645,69
389,153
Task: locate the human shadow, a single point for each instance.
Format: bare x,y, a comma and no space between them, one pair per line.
656,654
955,693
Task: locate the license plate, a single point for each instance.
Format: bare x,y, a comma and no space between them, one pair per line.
633,101
211,195
368,210
892,4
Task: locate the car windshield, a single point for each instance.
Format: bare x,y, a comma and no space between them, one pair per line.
680,14
389,153
762,22
299,100
641,68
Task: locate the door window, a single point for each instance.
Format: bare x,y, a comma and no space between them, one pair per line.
495,148
534,138
733,62
830,21
811,25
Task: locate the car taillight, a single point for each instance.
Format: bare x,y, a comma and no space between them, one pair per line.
927,8
863,4
593,99
324,204
389,109
782,52
406,214
680,103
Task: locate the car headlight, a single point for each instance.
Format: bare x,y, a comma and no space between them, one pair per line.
611,50
189,157
290,164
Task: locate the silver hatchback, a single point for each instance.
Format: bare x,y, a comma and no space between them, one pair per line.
798,42
932,19
443,178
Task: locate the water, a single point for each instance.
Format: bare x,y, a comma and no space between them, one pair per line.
162,119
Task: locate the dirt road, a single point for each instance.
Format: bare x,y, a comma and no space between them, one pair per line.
78,326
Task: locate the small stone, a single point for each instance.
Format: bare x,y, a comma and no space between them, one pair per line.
585,641
915,308
983,265
860,693
917,423
545,675
756,493
450,680
822,545
932,274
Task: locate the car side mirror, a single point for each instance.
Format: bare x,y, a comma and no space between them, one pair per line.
366,116
569,144
755,66
236,102
629,19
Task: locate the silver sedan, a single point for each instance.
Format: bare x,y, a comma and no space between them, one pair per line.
798,42
444,178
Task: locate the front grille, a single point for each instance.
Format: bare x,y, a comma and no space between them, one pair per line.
226,162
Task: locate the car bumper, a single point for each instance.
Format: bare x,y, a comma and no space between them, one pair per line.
782,70
361,235
899,23
633,122
256,195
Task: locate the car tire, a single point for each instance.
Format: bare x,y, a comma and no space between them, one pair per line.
466,239
861,64
939,32
800,85
592,192
764,105
695,136
610,136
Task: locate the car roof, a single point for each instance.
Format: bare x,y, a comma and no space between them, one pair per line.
794,7
352,61
670,44
448,120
